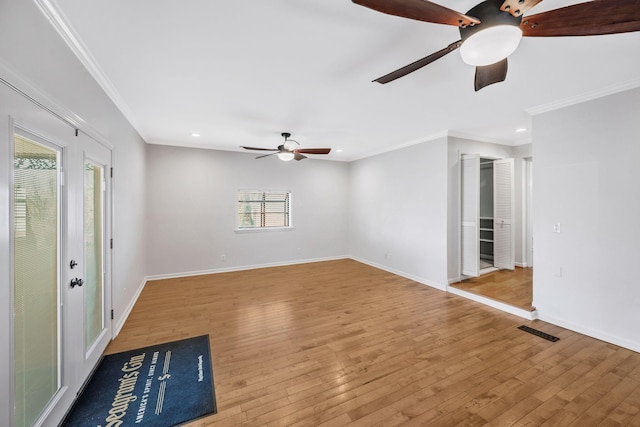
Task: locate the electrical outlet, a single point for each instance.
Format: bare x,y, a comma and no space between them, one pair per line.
223,257
556,227
387,255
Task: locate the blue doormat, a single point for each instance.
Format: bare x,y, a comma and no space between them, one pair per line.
160,386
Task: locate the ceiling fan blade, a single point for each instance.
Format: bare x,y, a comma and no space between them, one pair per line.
265,155
418,64
313,150
259,149
490,74
585,19
298,156
420,10
518,7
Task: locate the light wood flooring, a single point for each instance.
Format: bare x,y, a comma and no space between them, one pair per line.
341,343
511,287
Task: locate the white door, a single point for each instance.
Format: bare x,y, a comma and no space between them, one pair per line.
59,212
89,283
470,207
503,215
39,379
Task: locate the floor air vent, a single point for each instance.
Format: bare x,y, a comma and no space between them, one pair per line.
538,333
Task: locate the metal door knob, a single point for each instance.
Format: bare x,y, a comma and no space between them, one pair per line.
76,282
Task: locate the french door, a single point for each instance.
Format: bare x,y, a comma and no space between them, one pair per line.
61,266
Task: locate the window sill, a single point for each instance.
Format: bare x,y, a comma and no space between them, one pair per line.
260,230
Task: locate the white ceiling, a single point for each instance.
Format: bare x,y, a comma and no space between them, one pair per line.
240,72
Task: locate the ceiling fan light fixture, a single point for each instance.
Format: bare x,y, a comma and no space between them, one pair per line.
286,156
290,145
490,45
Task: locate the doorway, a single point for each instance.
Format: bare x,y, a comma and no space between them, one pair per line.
487,214
60,273
513,286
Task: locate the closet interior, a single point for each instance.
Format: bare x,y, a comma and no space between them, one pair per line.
486,216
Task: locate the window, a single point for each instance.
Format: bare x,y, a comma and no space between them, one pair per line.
258,209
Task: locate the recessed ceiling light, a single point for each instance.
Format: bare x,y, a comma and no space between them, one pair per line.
521,130
339,150
195,135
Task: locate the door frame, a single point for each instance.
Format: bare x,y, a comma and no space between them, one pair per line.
43,137
527,210
87,150
481,156
71,375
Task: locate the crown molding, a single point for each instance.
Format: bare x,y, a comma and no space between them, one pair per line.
588,96
62,26
429,138
462,135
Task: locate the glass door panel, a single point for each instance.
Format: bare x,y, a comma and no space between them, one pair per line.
93,244
36,277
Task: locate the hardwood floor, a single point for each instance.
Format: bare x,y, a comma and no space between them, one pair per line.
511,287
341,343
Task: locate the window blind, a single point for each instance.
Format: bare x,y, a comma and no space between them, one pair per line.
263,209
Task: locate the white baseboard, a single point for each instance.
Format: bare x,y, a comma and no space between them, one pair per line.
528,315
599,335
240,268
525,314
401,273
125,315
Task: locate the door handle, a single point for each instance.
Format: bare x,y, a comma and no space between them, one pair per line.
76,282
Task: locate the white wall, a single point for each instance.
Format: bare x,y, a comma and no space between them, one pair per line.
586,178
43,60
191,202
34,58
398,207
519,154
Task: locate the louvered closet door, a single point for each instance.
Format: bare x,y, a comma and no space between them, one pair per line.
470,205
503,214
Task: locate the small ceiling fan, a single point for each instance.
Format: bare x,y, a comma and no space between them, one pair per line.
491,30
289,149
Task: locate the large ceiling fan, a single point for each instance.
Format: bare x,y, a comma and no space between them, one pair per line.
491,30
289,149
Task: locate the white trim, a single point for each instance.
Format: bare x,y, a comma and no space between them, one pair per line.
240,268
472,137
33,93
429,138
127,311
261,229
445,134
622,342
435,285
62,26
588,96
529,315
